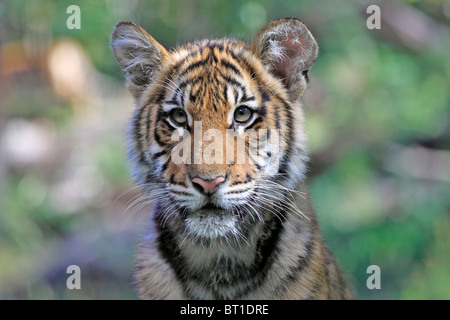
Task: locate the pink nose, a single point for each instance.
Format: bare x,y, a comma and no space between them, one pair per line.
207,186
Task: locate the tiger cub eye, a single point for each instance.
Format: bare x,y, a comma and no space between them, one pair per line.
242,114
178,116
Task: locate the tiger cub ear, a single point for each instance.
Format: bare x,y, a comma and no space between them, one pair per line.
139,55
288,50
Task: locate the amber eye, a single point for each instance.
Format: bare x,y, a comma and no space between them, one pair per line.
242,114
178,116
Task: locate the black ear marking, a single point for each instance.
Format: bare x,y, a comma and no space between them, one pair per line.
305,75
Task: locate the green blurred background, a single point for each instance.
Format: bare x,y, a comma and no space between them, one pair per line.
378,115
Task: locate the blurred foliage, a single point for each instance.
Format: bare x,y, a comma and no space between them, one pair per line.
377,115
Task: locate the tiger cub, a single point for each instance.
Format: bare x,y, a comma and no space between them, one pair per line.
227,222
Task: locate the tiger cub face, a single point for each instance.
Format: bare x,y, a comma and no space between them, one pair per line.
218,133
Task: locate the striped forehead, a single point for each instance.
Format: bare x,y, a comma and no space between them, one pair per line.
210,78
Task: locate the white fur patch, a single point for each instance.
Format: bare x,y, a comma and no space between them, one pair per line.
212,226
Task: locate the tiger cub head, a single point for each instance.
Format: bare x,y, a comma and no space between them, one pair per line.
218,133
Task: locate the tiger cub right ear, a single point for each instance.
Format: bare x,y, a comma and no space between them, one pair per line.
139,55
288,50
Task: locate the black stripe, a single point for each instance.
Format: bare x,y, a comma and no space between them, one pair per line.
181,193
172,181
158,138
243,62
166,164
247,99
194,81
277,118
303,263
169,249
237,192
285,161
167,123
256,121
267,249
161,96
213,55
151,177
266,254
225,92
159,154
264,96
232,81
262,111
172,101
138,136
230,66
194,66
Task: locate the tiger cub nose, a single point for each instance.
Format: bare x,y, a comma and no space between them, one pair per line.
207,186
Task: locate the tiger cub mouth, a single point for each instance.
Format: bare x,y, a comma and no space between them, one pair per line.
211,207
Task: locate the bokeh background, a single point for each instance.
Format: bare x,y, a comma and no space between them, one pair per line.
378,115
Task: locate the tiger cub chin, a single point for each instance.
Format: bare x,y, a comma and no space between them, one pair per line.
218,143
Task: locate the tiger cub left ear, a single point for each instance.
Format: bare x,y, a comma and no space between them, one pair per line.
139,55
288,50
